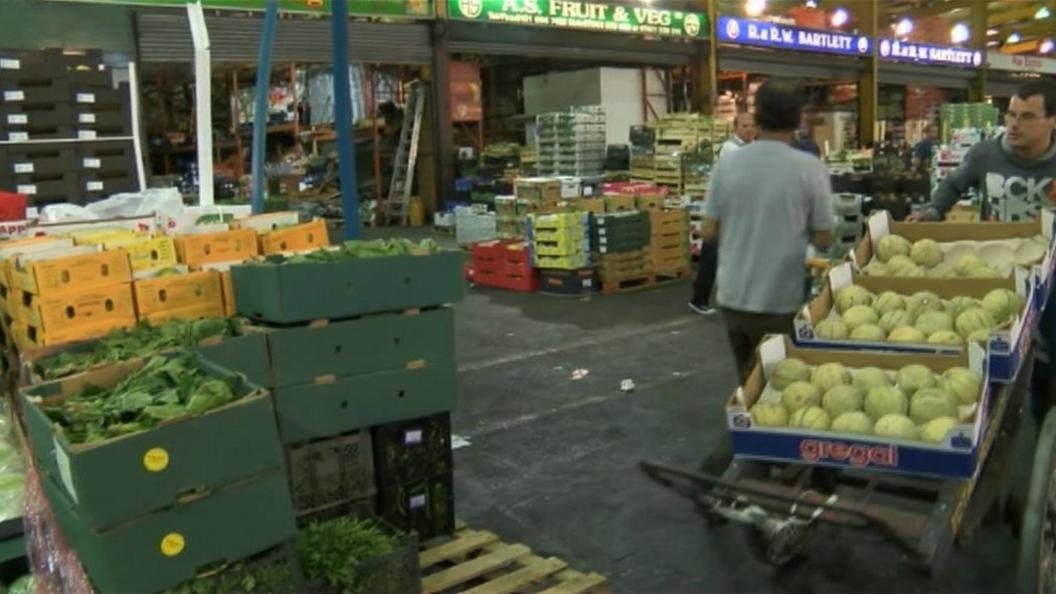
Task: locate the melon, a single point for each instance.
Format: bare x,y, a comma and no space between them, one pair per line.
893,319
930,322
875,268
931,403
832,328
998,256
841,399
888,301
898,264
853,422
828,375
923,301
981,336
787,371
972,320
962,383
1002,305
885,400
1030,252
869,332
769,414
859,315
946,338
935,430
966,262
913,272
799,394
811,417
907,335
914,377
868,378
897,426
890,246
982,271
848,297
926,253
941,270
957,251
960,303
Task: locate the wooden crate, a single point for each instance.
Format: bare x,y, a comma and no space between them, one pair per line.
477,562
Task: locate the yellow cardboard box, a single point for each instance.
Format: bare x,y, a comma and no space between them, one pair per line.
146,254
64,312
195,290
221,246
298,238
46,273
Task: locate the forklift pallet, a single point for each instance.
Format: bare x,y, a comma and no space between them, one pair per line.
628,284
477,562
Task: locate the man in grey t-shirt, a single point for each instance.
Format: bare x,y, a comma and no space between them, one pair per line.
766,203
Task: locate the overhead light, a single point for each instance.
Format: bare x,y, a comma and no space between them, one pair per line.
959,33
1043,13
1046,46
754,8
904,27
992,32
811,4
840,17
1013,38
993,43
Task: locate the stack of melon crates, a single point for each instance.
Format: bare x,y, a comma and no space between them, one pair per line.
359,356
571,143
669,242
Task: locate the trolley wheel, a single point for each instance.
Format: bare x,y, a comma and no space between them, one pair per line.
777,543
1037,547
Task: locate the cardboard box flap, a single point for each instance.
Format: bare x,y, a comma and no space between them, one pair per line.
33,244
55,254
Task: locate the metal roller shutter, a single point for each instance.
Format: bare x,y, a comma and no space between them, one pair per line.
167,38
926,76
572,45
790,64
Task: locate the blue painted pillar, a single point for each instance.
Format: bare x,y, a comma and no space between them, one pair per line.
346,150
260,103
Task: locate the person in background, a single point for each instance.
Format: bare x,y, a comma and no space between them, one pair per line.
925,149
805,143
766,203
744,132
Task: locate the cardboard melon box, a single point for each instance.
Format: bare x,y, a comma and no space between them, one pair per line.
1007,345
955,457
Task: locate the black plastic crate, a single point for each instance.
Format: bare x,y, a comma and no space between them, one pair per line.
329,471
425,506
30,90
583,281
414,449
20,161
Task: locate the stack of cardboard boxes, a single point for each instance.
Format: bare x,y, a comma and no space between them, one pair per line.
621,245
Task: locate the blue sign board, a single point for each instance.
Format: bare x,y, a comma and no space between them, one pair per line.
761,33
923,53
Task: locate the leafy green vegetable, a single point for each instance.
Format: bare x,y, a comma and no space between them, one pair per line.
142,340
276,578
166,387
353,249
23,585
332,550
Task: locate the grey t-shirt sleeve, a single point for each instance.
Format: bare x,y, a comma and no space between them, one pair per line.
711,203
955,184
819,189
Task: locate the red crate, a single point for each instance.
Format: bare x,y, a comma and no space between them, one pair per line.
511,282
12,206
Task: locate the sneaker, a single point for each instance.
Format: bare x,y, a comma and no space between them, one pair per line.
704,310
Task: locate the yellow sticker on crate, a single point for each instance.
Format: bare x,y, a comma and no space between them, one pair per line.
182,291
156,459
80,271
172,544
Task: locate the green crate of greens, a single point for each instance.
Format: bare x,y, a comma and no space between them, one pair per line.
303,354
358,556
338,405
355,278
425,506
144,339
130,438
169,547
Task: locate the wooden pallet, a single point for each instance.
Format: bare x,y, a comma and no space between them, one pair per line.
669,276
476,562
628,284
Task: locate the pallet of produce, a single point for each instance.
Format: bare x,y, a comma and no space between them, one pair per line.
895,412
355,278
134,437
924,315
187,295
957,250
163,549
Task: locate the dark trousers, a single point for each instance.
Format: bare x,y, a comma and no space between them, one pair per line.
706,268
745,330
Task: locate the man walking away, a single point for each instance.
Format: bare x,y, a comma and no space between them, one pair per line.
744,132
925,149
765,205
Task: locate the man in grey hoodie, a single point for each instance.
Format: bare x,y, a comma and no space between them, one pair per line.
1014,174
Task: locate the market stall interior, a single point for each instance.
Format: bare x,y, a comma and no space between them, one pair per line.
228,369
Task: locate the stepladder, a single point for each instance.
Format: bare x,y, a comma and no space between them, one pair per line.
401,185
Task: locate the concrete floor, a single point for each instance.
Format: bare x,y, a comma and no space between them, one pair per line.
553,460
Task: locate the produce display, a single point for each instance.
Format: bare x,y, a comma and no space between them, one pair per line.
920,318
144,339
912,403
358,249
166,387
12,471
894,255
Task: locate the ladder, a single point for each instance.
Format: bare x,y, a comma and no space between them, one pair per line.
398,204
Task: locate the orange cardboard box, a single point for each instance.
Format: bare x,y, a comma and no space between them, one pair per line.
215,310
73,309
298,238
82,271
178,292
221,246
228,289
31,337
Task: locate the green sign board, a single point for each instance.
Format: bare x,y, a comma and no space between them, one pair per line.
387,8
594,16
